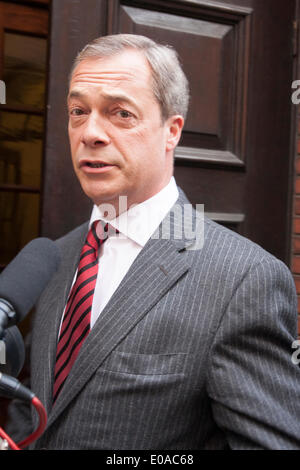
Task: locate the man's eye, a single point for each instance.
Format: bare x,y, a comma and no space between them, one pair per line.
76,112
124,114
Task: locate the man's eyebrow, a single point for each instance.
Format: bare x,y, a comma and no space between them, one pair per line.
118,96
111,96
75,94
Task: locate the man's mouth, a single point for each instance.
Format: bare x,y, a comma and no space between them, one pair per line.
91,166
96,165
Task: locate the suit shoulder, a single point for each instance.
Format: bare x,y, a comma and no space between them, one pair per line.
222,246
219,241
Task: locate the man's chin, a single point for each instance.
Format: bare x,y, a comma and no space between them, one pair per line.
108,201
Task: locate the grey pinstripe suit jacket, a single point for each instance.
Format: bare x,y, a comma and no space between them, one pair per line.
192,352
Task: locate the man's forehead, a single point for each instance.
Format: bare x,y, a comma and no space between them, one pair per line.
115,78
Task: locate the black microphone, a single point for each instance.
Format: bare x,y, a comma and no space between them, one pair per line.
12,352
12,356
24,279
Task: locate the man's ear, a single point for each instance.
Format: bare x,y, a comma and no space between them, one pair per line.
174,127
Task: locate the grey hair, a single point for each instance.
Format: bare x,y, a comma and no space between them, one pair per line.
170,85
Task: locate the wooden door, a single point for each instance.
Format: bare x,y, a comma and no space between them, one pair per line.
23,59
236,151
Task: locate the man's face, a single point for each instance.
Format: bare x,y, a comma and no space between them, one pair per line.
119,144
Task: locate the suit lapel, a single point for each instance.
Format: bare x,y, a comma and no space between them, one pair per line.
52,306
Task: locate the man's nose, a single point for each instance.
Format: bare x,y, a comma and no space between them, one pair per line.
94,133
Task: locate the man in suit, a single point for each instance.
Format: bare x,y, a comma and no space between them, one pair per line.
188,345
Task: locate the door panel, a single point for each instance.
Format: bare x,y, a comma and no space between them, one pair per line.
235,152
216,70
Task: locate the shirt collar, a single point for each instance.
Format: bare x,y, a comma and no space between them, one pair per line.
141,221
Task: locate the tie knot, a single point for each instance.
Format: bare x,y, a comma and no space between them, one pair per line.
105,230
92,238
99,232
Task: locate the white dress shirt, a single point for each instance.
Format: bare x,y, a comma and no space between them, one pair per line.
119,251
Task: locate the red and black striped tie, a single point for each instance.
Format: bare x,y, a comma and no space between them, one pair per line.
76,322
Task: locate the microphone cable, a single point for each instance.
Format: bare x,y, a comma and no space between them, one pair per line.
11,387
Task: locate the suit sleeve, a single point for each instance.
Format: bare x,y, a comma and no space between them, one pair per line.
253,383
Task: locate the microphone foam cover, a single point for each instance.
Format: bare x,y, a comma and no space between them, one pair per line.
26,276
